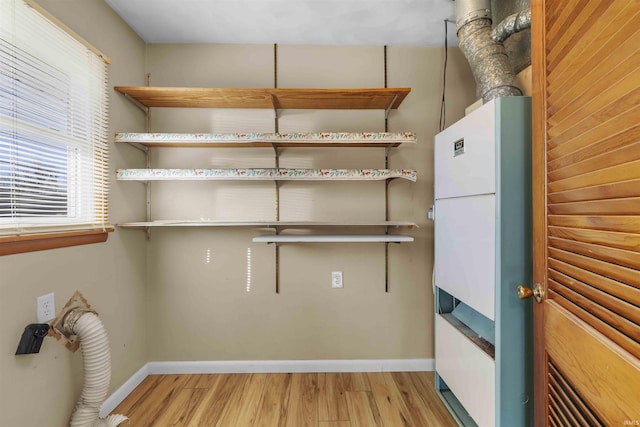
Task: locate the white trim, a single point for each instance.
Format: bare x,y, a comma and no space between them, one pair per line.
269,224
408,365
332,238
280,366
124,390
261,366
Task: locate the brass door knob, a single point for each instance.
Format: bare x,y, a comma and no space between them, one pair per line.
525,292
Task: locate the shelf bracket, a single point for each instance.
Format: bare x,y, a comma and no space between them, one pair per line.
276,151
276,110
387,150
386,110
137,103
140,147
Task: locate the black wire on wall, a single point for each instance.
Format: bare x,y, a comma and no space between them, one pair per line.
443,109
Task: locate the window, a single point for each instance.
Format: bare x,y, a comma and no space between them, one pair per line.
53,129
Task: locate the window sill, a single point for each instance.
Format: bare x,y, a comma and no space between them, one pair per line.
39,242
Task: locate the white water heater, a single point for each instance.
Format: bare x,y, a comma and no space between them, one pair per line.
482,212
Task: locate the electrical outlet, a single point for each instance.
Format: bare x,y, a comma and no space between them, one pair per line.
336,279
46,308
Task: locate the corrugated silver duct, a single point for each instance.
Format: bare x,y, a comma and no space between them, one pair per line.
488,59
511,24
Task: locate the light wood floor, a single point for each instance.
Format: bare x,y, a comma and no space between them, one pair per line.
287,400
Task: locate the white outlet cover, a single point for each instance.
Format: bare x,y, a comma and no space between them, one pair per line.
336,279
46,308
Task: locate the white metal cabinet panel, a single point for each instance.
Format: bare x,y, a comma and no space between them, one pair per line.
510,384
468,371
465,250
473,171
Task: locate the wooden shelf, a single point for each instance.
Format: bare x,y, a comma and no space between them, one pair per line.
275,99
242,140
265,224
330,238
188,97
264,174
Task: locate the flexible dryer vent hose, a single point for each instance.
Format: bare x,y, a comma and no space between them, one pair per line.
96,355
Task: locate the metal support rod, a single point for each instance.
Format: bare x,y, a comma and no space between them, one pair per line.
386,111
147,186
385,65
386,229
277,248
386,183
274,101
386,188
277,197
148,164
277,268
386,267
275,65
148,123
277,188
276,126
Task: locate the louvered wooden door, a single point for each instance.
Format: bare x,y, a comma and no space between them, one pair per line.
586,149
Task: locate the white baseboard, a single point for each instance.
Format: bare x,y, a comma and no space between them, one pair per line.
280,366
262,366
124,390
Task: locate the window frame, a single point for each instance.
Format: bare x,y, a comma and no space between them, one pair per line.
34,240
42,241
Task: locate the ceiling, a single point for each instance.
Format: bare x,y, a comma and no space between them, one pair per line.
317,22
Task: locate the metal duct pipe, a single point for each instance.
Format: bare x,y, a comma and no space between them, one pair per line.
488,59
96,355
510,25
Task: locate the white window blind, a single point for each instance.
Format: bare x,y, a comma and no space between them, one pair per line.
53,127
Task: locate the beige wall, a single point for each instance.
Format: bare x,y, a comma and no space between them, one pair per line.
40,390
191,285
199,305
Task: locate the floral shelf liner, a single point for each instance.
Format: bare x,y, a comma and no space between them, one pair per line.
265,174
318,137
